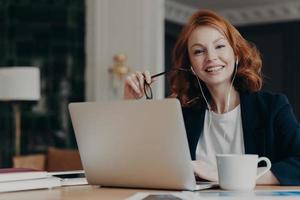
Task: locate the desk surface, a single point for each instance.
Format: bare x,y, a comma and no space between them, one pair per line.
94,192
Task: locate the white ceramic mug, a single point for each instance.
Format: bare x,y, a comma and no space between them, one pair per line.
239,172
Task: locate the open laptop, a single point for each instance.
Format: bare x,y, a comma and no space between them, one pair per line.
140,144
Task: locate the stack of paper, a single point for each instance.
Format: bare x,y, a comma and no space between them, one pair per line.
16,179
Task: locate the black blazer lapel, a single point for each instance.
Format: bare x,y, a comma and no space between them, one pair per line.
250,119
194,121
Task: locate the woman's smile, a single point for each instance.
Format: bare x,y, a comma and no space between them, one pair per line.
214,69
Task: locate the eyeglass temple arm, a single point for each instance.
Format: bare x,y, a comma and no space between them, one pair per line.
165,72
159,74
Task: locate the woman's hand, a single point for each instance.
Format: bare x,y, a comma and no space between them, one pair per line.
134,85
205,170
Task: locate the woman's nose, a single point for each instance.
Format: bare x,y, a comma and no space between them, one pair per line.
211,55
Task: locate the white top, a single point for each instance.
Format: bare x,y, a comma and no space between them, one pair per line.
225,136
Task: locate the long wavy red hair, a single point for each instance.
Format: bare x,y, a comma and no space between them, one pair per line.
184,85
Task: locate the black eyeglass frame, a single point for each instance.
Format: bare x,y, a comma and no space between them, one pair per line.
147,87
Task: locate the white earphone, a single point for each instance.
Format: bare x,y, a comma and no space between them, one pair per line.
193,70
228,97
237,61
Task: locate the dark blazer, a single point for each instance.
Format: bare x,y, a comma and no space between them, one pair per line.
270,129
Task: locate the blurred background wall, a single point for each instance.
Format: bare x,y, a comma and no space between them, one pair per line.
50,35
74,43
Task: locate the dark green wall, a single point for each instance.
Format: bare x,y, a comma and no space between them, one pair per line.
48,34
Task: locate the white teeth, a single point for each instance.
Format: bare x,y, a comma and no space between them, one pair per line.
214,69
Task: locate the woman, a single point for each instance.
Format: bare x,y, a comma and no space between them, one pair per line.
217,78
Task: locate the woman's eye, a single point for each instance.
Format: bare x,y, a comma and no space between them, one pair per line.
199,51
220,46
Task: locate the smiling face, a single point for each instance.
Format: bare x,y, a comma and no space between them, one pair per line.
211,56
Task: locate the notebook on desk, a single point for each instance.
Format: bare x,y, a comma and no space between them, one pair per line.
140,144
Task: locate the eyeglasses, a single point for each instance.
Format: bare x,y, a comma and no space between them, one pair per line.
147,88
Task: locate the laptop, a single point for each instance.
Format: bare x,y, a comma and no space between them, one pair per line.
134,143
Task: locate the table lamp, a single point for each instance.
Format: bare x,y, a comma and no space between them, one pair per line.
19,84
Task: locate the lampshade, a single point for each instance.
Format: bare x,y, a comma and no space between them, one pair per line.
19,83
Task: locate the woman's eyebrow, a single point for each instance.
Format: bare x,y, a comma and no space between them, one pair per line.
218,39
199,44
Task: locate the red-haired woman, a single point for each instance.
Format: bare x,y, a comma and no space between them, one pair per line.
217,78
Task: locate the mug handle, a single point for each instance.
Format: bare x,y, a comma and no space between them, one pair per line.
267,168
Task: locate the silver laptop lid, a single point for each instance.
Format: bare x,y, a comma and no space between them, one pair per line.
133,143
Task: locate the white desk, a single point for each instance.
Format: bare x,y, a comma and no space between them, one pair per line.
97,193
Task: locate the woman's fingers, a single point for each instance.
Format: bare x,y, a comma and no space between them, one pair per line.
135,84
140,79
132,81
147,76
